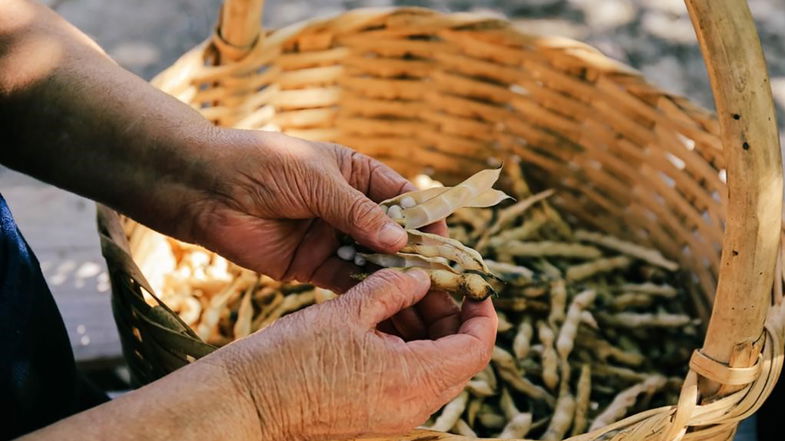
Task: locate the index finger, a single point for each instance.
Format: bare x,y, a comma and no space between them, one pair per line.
383,181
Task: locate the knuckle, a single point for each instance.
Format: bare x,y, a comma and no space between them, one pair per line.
363,212
481,356
390,279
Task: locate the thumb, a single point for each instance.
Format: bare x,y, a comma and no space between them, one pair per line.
350,211
383,294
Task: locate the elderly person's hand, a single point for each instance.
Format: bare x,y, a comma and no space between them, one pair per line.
322,373
276,204
327,373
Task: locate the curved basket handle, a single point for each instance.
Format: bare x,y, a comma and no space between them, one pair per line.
742,94
240,25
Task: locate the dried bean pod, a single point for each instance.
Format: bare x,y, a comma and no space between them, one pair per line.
486,199
587,318
491,420
208,325
469,285
509,372
562,418
433,245
666,291
403,260
508,269
480,388
522,340
472,409
189,310
242,327
558,302
266,311
507,215
503,325
461,428
451,412
640,252
526,387
524,232
290,303
549,248
589,269
582,396
517,427
603,350
641,320
569,329
444,204
550,270
507,405
626,399
631,300
604,370
550,359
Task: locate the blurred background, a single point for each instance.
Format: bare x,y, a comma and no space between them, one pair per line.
146,36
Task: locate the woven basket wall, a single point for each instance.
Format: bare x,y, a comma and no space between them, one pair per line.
449,95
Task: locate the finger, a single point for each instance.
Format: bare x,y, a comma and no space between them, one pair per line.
409,324
479,320
350,211
335,274
440,313
318,244
376,179
464,354
383,294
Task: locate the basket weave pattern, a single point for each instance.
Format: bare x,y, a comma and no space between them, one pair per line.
450,95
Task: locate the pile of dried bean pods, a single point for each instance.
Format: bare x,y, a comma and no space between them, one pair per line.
591,328
222,301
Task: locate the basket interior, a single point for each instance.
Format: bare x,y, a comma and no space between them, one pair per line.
448,95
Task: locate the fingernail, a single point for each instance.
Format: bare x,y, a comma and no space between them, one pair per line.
392,234
418,274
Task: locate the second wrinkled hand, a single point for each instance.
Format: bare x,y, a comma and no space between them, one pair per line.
328,372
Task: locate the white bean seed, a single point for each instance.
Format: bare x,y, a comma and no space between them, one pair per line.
408,202
346,252
395,212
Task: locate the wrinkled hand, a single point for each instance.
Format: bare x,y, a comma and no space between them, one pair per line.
328,372
279,202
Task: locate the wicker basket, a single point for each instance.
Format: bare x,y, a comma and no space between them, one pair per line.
425,91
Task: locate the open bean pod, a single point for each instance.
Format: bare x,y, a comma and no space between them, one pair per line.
453,266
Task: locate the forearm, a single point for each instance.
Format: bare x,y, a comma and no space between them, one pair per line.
70,116
197,402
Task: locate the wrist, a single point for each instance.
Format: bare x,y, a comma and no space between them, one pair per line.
180,180
258,388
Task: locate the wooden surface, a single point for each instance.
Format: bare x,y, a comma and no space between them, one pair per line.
60,227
